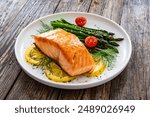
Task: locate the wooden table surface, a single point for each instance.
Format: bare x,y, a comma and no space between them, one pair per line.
132,83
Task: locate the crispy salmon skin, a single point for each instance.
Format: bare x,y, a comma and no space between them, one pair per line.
67,50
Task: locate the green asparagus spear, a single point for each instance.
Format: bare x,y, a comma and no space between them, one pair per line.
80,33
94,32
106,33
74,27
113,43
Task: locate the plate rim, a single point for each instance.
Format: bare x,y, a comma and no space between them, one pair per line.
75,85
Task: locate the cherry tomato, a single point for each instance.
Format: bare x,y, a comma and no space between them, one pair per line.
91,41
80,21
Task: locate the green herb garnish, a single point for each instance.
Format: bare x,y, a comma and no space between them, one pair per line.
45,27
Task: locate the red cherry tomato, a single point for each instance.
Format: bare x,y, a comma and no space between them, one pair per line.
80,21
91,41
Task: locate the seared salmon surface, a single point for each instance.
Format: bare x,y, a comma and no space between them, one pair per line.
67,50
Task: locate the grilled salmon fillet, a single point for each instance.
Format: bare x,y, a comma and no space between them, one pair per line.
66,49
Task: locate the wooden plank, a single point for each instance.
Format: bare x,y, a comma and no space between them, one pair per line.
27,88
111,9
97,93
9,9
9,68
134,81
74,5
70,94
7,61
56,93
146,51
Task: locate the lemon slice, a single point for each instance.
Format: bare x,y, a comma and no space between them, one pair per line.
55,73
100,67
34,56
31,58
56,70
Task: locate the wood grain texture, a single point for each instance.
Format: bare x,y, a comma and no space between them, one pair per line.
146,49
74,5
27,88
133,80
132,83
9,9
9,68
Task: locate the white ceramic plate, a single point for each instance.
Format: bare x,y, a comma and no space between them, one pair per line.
24,40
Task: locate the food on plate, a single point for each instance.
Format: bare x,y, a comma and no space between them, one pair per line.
34,56
91,41
106,48
56,73
52,70
100,67
66,50
80,21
